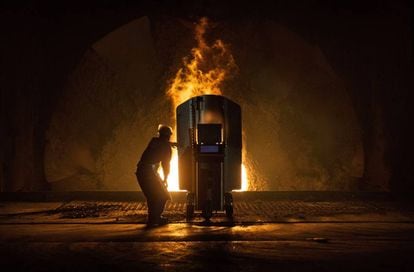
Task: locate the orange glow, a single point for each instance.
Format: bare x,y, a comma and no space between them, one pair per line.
202,73
173,176
245,184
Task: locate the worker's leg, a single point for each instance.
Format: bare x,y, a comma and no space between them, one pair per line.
159,208
145,182
162,197
153,211
156,195
155,208
155,202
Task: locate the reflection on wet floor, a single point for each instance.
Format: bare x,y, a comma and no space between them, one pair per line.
263,236
178,247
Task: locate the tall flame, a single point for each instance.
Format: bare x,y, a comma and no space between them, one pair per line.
202,73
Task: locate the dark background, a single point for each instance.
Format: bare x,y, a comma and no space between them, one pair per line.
368,44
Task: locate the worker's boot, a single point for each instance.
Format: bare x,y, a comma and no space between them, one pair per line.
163,220
153,219
152,222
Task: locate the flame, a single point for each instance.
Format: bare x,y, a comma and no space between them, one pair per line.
202,73
173,176
245,183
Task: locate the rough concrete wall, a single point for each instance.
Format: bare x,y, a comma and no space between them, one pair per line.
23,80
97,133
300,128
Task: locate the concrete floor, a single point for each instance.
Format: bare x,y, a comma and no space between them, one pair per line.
265,235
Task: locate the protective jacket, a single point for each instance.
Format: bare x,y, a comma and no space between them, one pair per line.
158,151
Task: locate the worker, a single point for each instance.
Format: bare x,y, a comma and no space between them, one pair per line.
152,185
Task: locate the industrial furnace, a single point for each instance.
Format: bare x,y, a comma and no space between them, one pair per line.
209,138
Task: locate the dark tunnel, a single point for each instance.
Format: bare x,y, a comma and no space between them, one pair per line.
325,96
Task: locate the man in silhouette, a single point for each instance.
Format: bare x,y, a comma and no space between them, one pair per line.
154,188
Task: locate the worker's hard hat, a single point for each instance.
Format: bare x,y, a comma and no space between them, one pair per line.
164,130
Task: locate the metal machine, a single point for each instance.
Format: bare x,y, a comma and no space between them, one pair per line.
209,141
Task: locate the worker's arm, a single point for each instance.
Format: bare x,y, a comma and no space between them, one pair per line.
166,170
165,163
